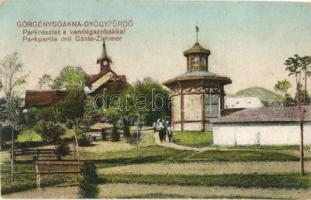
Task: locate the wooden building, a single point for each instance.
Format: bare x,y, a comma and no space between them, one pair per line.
275,125
42,98
106,80
198,94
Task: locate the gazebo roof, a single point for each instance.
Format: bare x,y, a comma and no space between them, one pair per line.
199,75
196,48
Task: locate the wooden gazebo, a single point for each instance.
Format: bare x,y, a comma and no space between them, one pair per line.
197,95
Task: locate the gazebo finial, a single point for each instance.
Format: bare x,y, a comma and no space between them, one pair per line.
197,31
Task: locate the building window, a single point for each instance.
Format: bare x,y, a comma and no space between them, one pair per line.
203,61
212,102
196,61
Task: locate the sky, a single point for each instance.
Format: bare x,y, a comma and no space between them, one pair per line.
249,41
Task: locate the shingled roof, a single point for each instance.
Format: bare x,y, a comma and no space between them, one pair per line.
91,78
199,75
196,48
43,97
266,114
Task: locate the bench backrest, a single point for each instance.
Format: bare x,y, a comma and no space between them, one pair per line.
57,166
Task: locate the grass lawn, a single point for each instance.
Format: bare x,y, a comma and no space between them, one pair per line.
29,136
286,180
193,138
147,138
129,191
26,178
207,168
151,153
242,155
25,168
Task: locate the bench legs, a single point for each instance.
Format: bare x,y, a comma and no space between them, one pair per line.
38,180
38,177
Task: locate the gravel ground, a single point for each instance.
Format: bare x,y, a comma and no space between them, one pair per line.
207,168
136,190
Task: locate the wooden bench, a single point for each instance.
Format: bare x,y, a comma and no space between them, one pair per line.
36,153
56,167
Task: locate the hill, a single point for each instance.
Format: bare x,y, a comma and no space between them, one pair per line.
266,96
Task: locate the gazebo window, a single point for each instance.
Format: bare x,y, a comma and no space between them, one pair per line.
203,60
212,105
196,61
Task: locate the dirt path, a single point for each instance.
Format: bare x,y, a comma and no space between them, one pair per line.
140,190
45,193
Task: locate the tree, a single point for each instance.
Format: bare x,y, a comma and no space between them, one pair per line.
302,95
157,106
70,77
45,81
91,113
300,68
11,74
282,86
50,131
62,149
146,97
72,107
12,78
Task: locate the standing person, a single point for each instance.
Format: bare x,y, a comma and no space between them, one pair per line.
164,129
157,125
154,126
170,133
160,128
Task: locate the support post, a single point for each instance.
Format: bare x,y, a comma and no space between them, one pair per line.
203,109
301,110
12,156
38,176
182,107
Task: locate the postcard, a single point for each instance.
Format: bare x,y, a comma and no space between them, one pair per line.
155,99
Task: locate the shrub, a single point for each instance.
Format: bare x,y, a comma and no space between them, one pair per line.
62,149
69,125
84,141
126,128
23,145
104,134
88,183
50,131
115,135
5,134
